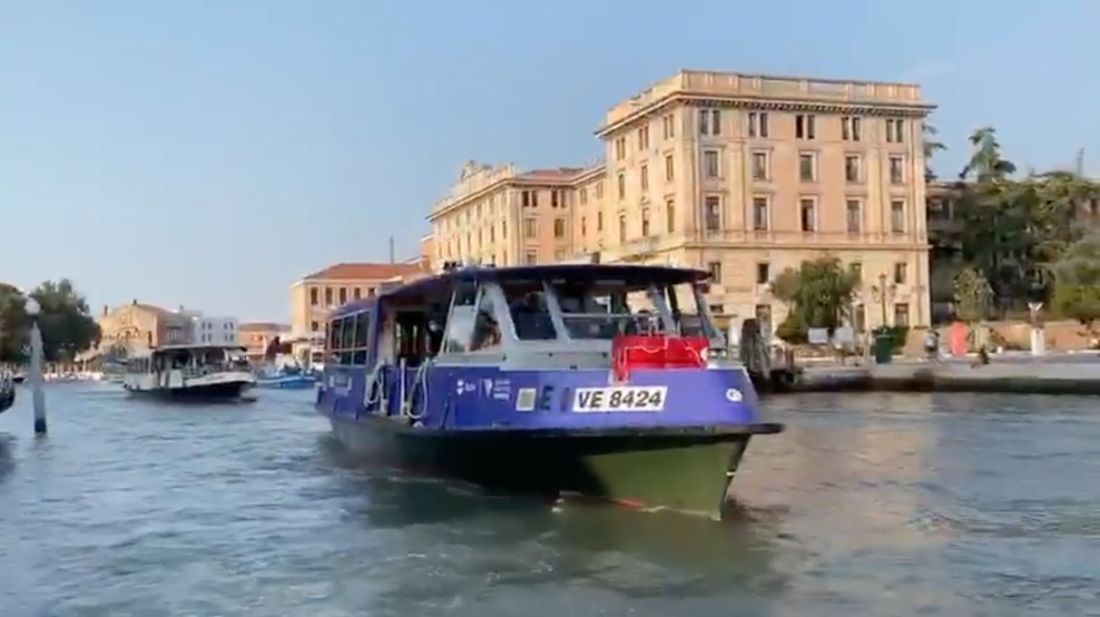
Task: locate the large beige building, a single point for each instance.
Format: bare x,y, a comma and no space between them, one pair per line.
312,297
136,326
742,175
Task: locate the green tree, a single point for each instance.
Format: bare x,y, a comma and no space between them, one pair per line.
13,324
67,325
1077,286
819,295
986,163
932,145
972,295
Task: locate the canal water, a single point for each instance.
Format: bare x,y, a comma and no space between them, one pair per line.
870,504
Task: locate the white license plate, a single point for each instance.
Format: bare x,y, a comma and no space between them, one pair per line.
621,398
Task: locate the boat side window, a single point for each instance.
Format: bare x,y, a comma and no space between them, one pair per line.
347,340
335,333
690,312
529,311
487,333
362,332
460,323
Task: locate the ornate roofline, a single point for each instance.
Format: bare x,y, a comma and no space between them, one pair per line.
866,108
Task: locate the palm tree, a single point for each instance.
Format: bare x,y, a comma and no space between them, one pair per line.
931,146
986,163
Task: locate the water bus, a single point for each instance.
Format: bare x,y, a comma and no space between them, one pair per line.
599,380
203,372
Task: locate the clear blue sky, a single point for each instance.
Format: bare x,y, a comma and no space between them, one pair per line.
208,153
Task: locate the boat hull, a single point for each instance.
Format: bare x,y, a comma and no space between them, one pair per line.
222,391
287,383
683,469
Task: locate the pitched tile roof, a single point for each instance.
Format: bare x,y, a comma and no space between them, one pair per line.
561,173
365,271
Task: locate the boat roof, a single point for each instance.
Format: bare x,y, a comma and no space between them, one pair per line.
187,347
635,274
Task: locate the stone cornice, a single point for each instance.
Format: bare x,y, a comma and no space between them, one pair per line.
856,107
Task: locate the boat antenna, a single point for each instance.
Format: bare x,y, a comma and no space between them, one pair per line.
391,250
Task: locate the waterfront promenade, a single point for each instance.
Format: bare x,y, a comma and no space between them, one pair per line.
1012,373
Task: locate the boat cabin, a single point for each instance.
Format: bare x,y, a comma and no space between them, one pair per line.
191,360
563,316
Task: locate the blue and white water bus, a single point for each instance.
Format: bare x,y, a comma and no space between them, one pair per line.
600,380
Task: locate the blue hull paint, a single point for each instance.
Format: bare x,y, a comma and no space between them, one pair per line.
296,382
489,398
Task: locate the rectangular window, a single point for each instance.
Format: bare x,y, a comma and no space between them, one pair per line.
584,196
759,165
669,168
763,124
622,228
715,122
645,222
553,199
599,190
897,216
901,314
897,170
644,175
492,235
534,201
713,220
313,299
666,122
599,221
620,148
763,273
804,126
704,122
849,128
856,268
670,215
715,269
808,214
852,169
530,258
807,167
710,163
895,130
504,229
643,138
622,185
328,296
529,228
559,228
760,213
752,124
584,227
901,272
854,216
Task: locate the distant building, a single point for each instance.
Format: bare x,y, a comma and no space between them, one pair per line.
137,325
312,297
256,336
743,175
214,330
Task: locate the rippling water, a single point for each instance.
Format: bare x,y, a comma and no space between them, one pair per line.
870,504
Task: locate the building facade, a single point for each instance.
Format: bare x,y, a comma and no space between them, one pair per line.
137,325
214,330
312,297
256,336
741,175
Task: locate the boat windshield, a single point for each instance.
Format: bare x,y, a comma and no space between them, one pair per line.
689,311
604,310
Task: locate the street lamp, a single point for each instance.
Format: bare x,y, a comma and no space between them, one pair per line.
38,398
881,291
